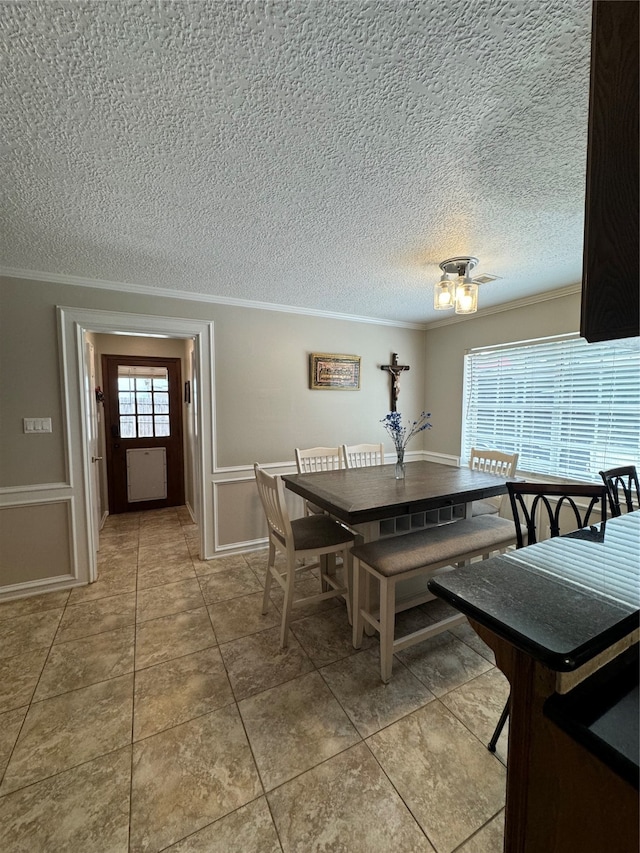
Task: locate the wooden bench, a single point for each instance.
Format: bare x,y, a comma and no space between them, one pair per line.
422,553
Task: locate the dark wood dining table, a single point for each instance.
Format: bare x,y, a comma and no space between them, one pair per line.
373,502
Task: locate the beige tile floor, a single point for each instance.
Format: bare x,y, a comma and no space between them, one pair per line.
154,710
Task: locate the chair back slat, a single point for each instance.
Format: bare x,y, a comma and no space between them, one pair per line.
362,455
494,462
622,480
313,459
271,493
500,465
555,507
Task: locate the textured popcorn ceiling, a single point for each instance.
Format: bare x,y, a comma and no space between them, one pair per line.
325,154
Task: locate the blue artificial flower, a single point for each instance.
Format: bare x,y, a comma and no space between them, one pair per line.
400,434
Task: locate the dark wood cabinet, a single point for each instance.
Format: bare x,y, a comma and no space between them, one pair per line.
610,280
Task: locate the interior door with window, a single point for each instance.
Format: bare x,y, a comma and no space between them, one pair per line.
143,425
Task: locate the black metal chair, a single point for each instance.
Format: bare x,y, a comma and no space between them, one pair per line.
623,479
553,509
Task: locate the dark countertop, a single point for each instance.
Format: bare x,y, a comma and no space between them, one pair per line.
359,495
564,600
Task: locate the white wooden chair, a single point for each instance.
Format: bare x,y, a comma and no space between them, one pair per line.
297,539
317,459
501,465
362,455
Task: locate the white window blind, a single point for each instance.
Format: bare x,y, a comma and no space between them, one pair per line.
569,408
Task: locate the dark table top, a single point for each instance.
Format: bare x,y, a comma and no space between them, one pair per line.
359,495
564,600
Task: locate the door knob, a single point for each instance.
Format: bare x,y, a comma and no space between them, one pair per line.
96,458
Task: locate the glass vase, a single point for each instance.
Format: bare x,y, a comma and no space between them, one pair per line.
400,463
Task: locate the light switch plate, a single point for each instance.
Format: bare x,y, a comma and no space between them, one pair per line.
36,424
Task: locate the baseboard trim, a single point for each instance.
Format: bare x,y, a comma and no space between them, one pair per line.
38,587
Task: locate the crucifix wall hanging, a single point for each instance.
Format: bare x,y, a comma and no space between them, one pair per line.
394,370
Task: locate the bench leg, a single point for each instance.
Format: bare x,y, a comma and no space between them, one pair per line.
387,625
358,621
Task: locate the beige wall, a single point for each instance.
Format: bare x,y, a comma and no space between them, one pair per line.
447,344
263,405
29,386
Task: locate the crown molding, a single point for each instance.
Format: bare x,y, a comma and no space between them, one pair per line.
508,306
146,290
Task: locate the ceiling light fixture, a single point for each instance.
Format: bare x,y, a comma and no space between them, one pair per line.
456,289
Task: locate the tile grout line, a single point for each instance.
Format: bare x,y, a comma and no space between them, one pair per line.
133,698
31,702
316,668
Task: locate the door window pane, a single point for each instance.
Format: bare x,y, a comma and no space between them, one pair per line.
145,426
143,401
127,427
161,404
126,403
161,424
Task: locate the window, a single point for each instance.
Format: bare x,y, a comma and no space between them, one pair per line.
569,408
143,401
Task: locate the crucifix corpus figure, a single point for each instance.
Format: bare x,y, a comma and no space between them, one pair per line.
394,370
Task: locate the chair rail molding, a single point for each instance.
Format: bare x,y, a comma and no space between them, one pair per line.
442,458
12,495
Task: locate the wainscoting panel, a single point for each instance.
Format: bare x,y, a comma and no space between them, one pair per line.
239,519
37,549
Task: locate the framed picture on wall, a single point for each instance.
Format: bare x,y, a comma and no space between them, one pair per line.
334,372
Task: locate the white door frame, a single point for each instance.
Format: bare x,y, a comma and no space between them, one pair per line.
92,436
73,325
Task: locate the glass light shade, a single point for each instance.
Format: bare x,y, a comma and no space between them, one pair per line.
467,297
444,294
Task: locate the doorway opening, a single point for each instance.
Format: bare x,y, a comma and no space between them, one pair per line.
143,432
77,325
